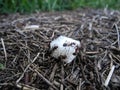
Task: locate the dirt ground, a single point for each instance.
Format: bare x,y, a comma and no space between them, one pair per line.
25,63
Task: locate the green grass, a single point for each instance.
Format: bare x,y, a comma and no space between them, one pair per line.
24,6
2,67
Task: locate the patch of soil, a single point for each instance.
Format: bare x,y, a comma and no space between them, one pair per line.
25,63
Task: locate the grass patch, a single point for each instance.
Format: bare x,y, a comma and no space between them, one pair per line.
23,6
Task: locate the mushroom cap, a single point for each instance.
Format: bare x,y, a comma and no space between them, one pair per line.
64,47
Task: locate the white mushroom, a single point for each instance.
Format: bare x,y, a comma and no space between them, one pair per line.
64,48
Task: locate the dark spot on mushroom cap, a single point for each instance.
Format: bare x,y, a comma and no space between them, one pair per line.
72,43
62,56
65,44
55,48
74,53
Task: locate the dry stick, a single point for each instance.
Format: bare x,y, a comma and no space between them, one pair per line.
90,29
109,76
118,35
53,72
62,79
45,79
26,87
99,62
79,86
115,57
4,50
27,68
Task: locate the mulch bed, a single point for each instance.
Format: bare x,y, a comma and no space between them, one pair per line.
25,63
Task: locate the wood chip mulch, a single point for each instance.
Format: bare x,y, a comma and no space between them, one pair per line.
25,63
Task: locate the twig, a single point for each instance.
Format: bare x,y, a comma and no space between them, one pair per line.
20,32
118,35
90,29
92,52
2,41
109,76
31,27
79,87
45,79
26,87
62,78
6,84
27,68
99,61
115,57
53,72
